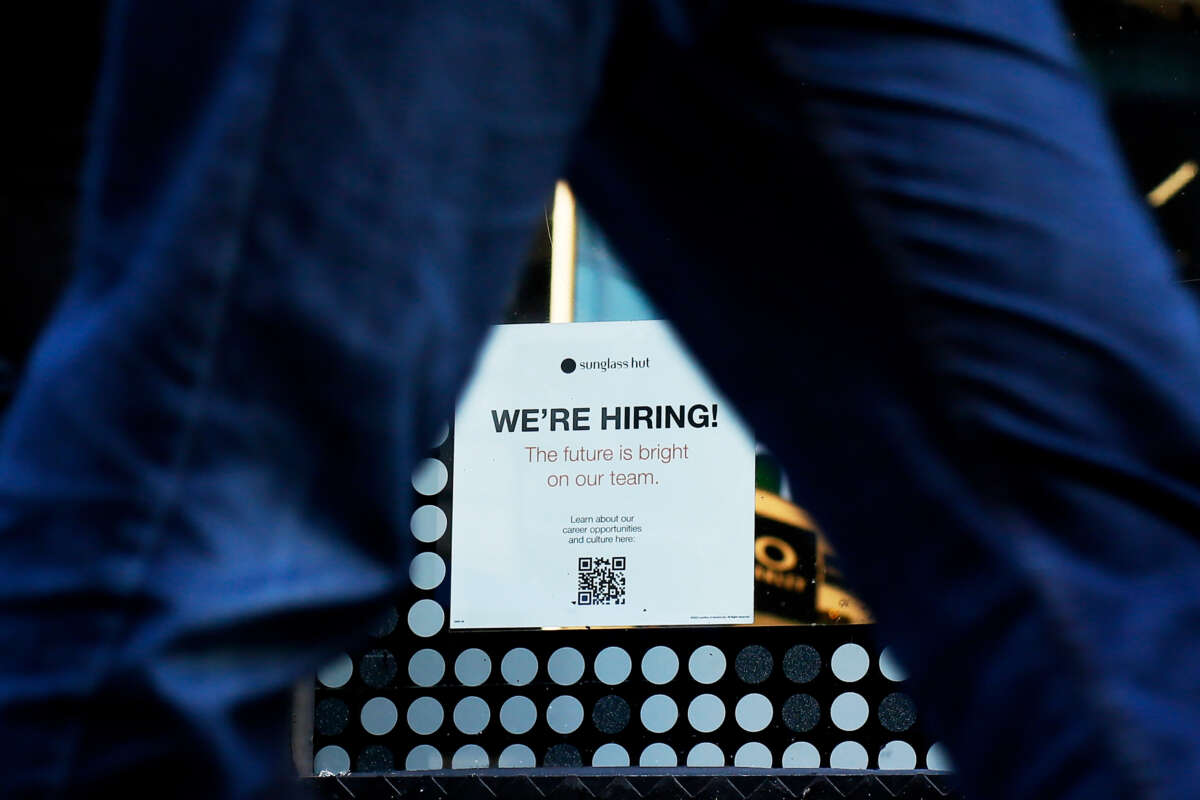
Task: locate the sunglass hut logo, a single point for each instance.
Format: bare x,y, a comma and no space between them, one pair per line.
569,365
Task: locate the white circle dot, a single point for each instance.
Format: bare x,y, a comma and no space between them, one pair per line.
518,714
938,758
890,667
658,755
801,755
331,758
897,755
426,667
472,667
613,665
849,711
439,438
850,662
426,617
425,715
519,666
469,756
848,755
516,756
564,714
337,672
565,666
472,715
610,755
427,570
422,757
427,523
430,476
705,754
753,754
660,665
379,716
707,664
659,713
753,712
706,712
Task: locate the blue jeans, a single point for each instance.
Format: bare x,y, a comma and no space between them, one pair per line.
895,231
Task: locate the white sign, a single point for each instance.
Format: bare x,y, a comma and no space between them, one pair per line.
599,479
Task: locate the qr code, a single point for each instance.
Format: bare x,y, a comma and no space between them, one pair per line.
601,581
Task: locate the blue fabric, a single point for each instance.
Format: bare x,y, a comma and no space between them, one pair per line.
895,231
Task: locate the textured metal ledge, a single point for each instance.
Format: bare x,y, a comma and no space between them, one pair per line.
616,784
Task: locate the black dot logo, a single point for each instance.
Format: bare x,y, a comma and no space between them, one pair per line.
568,365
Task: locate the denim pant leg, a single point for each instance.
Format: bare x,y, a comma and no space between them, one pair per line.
299,218
898,235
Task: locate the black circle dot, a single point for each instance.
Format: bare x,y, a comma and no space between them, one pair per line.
563,755
897,712
378,668
385,623
801,713
754,663
611,714
801,663
376,758
568,365
330,716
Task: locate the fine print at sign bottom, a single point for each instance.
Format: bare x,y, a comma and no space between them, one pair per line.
599,479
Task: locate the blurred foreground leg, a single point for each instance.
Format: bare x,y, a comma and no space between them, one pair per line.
898,235
299,218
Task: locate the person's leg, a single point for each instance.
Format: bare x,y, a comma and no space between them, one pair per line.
299,219
898,235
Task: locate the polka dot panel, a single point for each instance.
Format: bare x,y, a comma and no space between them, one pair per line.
747,697
421,695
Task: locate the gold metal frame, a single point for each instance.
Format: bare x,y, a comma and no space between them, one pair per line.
563,242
